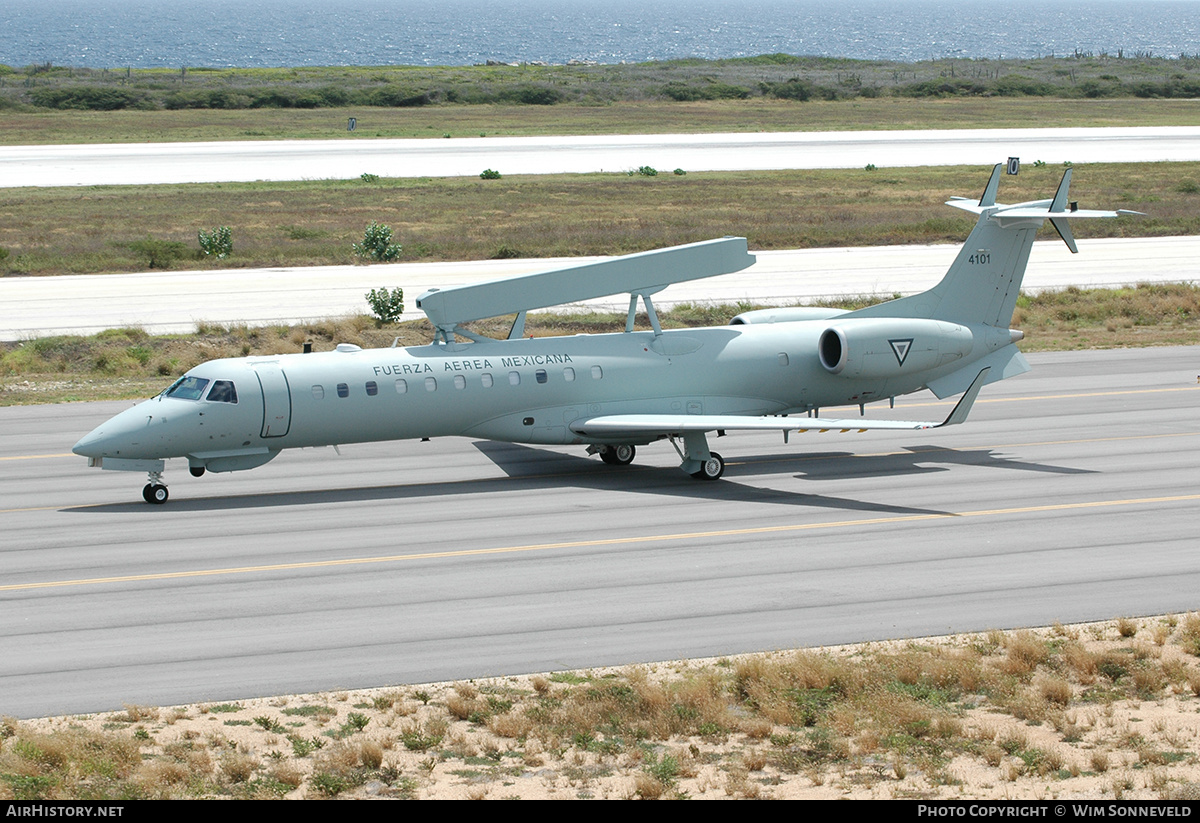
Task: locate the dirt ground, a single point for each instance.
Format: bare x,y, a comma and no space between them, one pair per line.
1093,711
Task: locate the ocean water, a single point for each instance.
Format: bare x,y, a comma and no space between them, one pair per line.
260,33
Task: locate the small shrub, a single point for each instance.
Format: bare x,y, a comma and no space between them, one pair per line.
870,167
159,254
506,252
387,306
377,243
216,243
222,708
647,171
269,724
367,177
329,784
679,172
489,174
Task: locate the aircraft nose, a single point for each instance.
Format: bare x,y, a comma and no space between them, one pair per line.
116,437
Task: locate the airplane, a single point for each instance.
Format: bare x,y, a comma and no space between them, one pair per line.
770,369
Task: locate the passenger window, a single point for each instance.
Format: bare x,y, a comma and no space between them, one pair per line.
460,382
318,392
401,387
486,379
372,388
430,384
222,392
569,374
514,378
540,374
343,390
597,372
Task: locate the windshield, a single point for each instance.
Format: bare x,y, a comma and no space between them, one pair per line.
187,388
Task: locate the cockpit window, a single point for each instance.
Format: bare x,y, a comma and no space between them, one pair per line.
187,388
222,392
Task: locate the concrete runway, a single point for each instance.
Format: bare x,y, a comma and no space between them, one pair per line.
1072,494
151,163
173,302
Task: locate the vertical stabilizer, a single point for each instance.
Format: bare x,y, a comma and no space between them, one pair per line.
984,281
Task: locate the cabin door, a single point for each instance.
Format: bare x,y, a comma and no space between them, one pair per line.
277,399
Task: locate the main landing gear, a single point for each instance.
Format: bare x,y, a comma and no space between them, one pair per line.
155,492
712,469
617,455
613,455
698,461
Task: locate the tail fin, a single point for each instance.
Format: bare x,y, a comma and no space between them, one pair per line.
982,284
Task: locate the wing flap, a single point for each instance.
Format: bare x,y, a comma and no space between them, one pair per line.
654,425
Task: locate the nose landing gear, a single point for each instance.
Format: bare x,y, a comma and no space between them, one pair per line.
155,491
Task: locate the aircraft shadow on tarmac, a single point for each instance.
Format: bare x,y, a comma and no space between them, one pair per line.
532,469
913,460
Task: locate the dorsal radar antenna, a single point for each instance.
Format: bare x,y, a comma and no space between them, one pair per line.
639,275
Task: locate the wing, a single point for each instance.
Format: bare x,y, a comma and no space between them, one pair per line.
654,425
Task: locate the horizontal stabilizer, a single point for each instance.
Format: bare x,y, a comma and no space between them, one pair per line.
655,425
642,273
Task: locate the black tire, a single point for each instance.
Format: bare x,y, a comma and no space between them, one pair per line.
156,494
712,469
622,455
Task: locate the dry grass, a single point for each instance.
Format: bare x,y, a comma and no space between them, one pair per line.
57,230
1018,715
127,363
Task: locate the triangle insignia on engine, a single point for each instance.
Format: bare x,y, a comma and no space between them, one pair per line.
901,349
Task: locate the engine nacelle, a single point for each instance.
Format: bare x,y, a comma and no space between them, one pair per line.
789,314
891,347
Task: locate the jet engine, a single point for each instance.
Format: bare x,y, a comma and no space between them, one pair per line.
890,347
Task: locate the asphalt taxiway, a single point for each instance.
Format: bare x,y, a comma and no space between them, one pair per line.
1070,495
151,163
174,302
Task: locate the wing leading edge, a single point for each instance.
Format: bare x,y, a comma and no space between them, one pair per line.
655,425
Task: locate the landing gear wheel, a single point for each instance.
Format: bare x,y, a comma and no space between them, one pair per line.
712,469
155,493
618,455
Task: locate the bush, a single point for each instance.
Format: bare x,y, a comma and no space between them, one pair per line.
367,177
532,95
794,89
489,174
387,306
159,254
377,243
216,243
647,171
93,98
